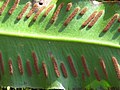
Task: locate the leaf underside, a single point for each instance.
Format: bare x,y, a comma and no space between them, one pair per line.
60,43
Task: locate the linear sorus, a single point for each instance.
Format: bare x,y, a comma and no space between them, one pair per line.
45,69
38,13
96,74
83,11
119,20
4,6
10,66
35,6
96,18
119,29
20,67
23,10
69,6
107,27
55,66
83,76
14,7
74,72
117,67
103,66
64,71
35,62
89,19
85,66
1,63
113,88
67,21
29,70
55,16
48,10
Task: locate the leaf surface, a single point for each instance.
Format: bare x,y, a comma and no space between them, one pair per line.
62,43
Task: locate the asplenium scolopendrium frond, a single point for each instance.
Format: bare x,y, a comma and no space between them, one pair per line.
69,43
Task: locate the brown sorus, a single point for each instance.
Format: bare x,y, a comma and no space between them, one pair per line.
35,6
74,72
83,76
119,29
96,18
67,21
45,69
14,7
20,67
119,19
55,66
96,74
10,67
55,16
103,66
89,19
1,63
69,6
113,19
63,70
113,88
83,11
48,10
35,59
23,10
38,13
85,66
4,6
117,66
29,70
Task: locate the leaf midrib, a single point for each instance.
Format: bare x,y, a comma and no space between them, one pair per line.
63,39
